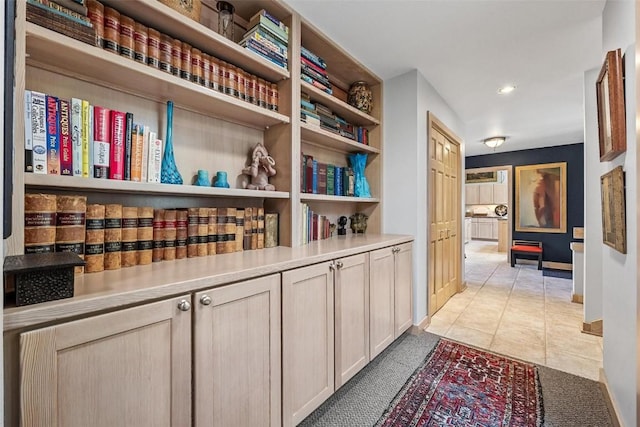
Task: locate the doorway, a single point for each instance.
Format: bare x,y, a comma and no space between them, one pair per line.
444,213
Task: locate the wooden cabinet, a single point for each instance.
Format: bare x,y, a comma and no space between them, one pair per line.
237,359
468,230
351,316
503,235
500,194
403,288
472,194
131,367
485,228
381,297
307,340
485,196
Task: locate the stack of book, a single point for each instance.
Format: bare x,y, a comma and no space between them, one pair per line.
308,113
68,17
314,226
314,70
321,116
322,178
267,37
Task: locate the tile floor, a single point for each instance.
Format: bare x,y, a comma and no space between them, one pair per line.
519,313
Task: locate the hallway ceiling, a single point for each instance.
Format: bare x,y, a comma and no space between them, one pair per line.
467,49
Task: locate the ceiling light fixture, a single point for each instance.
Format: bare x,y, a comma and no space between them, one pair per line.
495,141
506,89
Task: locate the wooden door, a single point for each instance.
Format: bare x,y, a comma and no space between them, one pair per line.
403,288
351,317
237,360
381,300
307,340
127,368
444,214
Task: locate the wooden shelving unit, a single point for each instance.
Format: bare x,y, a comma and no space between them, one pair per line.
314,135
346,111
337,199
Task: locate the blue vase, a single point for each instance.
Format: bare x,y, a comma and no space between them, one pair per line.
169,172
203,178
221,180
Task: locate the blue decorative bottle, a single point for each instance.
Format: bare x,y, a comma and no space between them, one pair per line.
169,173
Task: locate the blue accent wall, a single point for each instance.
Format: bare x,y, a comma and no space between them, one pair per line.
555,245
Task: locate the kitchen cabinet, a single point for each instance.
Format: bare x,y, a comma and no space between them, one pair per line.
127,368
472,194
381,297
485,194
500,194
503,235
403,285
237,362
468,230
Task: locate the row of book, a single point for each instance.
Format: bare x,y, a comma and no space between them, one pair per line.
68,17
74,138
319,115
322,178
314,70
267,37
112,236
314,226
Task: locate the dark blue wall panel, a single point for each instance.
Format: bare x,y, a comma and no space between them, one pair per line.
556,245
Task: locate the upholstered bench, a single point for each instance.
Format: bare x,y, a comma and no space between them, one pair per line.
526,249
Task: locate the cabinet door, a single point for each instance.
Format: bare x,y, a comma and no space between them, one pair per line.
307,340
494,230
500,194
472,194
381,300
486,194
237,354
485,230
403,281
128,368
474,229
351,316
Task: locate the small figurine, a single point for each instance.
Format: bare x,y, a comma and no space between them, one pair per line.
202,178
332,228
260,169
342,222
358,223
221,180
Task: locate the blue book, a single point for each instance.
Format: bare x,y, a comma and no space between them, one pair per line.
314,177
313,58
278,63
337,188
308,105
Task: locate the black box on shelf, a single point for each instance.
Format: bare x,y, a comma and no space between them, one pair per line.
36,278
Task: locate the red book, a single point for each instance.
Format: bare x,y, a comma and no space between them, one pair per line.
101,141
305,61
66,146
118,131
322,178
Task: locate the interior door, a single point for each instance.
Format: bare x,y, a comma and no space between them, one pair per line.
444,214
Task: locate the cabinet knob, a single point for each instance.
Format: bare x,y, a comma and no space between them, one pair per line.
395,250
339,264
205,300
332,267
184,305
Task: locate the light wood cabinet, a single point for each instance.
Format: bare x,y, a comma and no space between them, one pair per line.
131,367
485,228
403,288
351,316
485,196
307,340
381,297
472,194
237,359
500,194
468,230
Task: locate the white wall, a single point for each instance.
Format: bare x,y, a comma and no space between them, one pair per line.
620,295
408,97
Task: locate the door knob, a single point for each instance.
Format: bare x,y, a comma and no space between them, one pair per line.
339,264
184,305
332,267
205,300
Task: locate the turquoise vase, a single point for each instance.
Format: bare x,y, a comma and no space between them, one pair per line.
169,173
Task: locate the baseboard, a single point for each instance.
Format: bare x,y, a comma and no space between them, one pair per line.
463,286
557,265
577,298
615,414
593,328
420,327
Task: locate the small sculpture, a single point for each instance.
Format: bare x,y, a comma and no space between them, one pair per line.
221,180
358,223
202,179
342,222
260,169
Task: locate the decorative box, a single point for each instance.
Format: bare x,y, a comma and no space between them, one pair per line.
41,277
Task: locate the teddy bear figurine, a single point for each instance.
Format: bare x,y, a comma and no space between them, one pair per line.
261,168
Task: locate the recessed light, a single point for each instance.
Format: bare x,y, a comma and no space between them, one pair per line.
506,89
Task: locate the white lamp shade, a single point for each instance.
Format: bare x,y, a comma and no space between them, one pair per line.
494,142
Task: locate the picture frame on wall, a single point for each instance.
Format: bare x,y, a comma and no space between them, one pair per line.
614,228
612,132
541,198
486,176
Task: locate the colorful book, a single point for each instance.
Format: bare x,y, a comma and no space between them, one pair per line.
265,22
61,11
39,131
337,188
101,142
144,174
89,133
314,177
309,174
265,56
128,137
28,133
322,178
306,53
116,158
272,18
137,147
262,36
66,144
331,179
260,228
155,158
53,142
76,135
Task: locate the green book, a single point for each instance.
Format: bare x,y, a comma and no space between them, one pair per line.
331,169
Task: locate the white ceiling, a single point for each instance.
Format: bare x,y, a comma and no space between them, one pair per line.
467,49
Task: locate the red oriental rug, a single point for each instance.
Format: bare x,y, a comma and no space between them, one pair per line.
462,386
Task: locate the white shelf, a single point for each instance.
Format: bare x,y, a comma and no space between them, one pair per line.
344,199
346,111
53,51
314,135
167,20
115,186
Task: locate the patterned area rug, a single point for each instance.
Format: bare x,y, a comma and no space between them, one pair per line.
462,386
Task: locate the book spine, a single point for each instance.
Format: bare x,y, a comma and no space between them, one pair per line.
155,158
144,171
137,144
230,231
309,174
338,181
212,243
181,233
70,225
203,231
128,138
129,256
265,22
313,66
265,47
101,142
95,13
303,174
112,236
322,178
265,39
265,56
66,145
239,229
221,236
272,18
330,179
158,235
306,53
254,228
192,232
271,231
76,135
61,11
260,228
28,132
94,239
246,240
77,7
91,147
116,161
53,142
39,131
39,223
314,177
145,235
88,132
170,233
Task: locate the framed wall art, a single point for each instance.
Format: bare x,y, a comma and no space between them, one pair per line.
614,228
541,198
611,109
488,176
